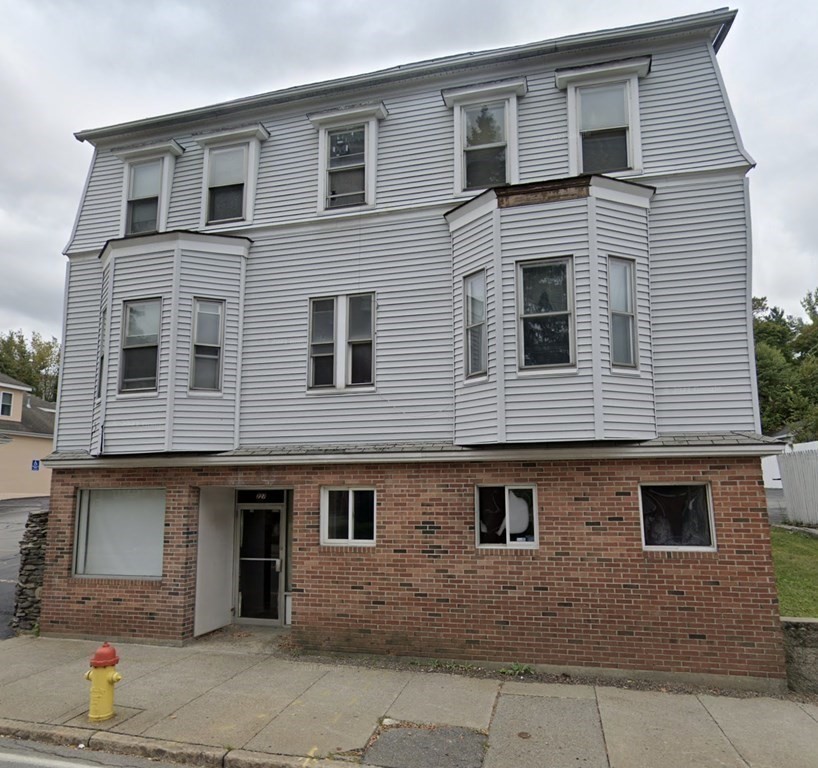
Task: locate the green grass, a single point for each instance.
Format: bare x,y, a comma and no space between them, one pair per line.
796,573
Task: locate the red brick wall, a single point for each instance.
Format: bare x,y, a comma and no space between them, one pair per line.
588,595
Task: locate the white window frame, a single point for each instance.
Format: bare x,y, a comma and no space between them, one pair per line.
6,402
194,343
570,311
679,548
460,99
122,347
342,352
467,326
250,139
367,115
634,365
626,72
166,153
509,544
81,536
349,542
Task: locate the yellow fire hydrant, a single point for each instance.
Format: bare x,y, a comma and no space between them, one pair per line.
103,676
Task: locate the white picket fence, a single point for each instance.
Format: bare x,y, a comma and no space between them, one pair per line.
799,476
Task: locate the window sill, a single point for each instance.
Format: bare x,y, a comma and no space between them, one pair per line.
633,373
205,393
215,226
347,209
137,394
695,550
472,381
339,543
323,391
152,580
560,370
519,547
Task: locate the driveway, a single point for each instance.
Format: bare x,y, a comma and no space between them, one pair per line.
13,516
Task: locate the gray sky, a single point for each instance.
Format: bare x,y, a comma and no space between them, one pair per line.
67,65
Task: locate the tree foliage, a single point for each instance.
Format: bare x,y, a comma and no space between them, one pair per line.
35,362
787,367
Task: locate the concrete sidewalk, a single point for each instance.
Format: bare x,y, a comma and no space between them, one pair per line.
219,705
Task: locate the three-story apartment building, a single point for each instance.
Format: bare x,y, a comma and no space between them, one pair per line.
450,359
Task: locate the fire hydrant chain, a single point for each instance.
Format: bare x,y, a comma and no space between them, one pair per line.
103,677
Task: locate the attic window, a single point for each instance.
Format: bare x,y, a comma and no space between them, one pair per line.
603,116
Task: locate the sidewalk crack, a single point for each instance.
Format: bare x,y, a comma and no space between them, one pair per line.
723,732
602,728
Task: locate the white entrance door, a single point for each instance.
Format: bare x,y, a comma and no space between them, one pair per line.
214,566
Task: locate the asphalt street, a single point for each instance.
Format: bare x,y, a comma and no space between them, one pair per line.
13,516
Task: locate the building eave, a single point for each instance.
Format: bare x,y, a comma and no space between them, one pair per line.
714,24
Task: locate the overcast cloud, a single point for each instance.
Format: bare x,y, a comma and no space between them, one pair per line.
67,65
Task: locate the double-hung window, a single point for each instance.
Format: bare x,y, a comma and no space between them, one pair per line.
230,169
143,197
485,124
5,404
148,180
622,311
226,180
208,319
140,344
546,324
603,116
348,153
348,516
474,290
506,516
342,341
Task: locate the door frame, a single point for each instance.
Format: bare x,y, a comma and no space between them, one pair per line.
281,508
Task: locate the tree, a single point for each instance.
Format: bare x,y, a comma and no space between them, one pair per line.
35,363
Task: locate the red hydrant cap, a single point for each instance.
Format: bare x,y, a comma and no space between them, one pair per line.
105,656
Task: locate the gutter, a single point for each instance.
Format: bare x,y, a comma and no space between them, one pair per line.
720,19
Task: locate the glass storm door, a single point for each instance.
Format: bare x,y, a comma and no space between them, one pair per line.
261,539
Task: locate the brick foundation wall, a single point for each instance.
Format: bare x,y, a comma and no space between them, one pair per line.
588,595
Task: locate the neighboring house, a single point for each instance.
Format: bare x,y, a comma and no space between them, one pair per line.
26,437
452,359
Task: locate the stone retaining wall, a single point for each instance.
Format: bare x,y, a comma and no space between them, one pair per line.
801,647
30,580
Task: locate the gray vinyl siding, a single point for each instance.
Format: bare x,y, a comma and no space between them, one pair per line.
79,352
543,129
476,406
405,261
135,422
185,207
205,421
627,394
548,404
101,371
685,119
699,287
101,208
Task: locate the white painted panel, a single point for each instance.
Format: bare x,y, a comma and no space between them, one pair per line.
214,560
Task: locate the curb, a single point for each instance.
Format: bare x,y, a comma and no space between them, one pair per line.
159,749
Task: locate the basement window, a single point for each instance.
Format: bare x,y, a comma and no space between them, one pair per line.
677,517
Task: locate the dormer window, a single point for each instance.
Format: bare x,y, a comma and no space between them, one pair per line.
148,180
230,169
603,116
485,126
143,197
348,154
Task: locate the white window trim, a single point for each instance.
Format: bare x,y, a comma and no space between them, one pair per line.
250,137
167,152
711,520
572,340
123,322
3,398
482,374
627,72
325,540
367,115
458,99
509,544
341,346
624,367
202,390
